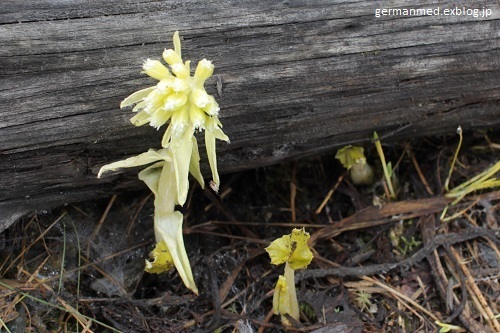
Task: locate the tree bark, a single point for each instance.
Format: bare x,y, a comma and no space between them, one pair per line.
298,78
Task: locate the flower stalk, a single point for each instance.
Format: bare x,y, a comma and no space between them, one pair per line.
387,167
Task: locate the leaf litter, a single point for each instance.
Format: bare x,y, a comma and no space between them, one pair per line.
379,265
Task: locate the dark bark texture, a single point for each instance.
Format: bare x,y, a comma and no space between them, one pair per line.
298,78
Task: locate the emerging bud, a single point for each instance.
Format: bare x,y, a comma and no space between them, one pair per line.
197,117
175,101
171,57
155,69
203,71
181,70
200,98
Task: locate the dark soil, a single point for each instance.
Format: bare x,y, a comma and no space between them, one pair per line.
379,266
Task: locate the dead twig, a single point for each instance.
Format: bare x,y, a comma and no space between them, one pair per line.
426,251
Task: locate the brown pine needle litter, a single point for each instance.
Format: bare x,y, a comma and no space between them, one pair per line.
427,259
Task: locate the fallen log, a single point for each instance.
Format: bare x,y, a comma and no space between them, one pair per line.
298,78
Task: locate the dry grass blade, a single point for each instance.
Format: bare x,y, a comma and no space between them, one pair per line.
400,296
481,303
99,224
330,193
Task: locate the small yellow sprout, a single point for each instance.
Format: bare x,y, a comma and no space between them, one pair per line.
292,250
282,297
353,159
161,260
448,327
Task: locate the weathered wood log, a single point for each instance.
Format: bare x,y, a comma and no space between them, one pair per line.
299,78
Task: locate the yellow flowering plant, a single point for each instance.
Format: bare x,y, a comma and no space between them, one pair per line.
180,99
293,251
354,160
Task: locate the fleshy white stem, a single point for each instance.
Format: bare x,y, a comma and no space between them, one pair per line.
294,304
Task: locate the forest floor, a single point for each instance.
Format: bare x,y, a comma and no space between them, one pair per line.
379,265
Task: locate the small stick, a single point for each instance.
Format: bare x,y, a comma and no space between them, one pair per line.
330,193
419,171
447,182
100,223
293,194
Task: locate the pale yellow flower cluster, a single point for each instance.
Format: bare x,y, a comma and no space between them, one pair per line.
181,99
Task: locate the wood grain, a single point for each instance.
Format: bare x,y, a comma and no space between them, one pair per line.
299,78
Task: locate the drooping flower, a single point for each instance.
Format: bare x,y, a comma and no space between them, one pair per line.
292,250
181,99
160,177
161,259
353,159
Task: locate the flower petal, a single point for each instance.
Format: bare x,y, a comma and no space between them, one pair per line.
136,97
159,118
167,196
212,155
279,250
155,69
301,256
291,248
139,106
212,107
350,155
281,298
179,122
175,101
200,97
140,118
165,142
145,158
213,132
171,57
194,164
168,227
182,71
151,176
182,150
197,117
177,43
162,261
203,71
218,134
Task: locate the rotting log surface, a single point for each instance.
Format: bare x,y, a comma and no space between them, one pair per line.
299,78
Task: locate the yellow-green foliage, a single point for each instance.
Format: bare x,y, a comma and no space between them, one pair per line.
292,250
353,159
